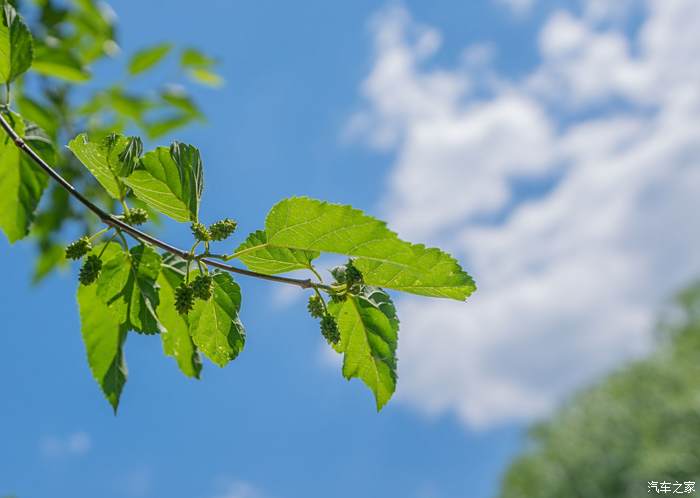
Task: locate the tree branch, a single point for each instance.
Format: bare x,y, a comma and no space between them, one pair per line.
112,221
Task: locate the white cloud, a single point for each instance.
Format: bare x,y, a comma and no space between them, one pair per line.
138,481
75,444
518,7
285,296
238,489
569,277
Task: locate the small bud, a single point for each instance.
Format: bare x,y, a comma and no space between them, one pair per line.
202,287
315,307
329,329
222,230
184,298
200,232
90,270
79,248
136,217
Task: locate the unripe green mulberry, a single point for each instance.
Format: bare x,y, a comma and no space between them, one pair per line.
222,230
202,287
353,277
79,248
315,307
329,329
200,232
136,216
90,270
184,298
339,274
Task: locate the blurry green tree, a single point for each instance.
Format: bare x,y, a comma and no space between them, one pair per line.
640,424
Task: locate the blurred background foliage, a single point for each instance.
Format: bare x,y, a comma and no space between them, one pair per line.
60,95
640,424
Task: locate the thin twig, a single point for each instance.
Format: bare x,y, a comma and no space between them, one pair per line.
135,233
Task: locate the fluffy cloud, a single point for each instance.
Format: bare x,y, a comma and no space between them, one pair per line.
238,489
517,6
568,193
75,444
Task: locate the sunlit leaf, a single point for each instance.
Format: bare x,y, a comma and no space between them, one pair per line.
383,258
59,63
128,286
107,159
16,44
147,58
214,324
170,180
176,338
104,335
262,257
368,337
199,66
206,77
21,184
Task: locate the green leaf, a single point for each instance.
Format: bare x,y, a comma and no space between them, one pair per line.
145,59
129,105
127,285
50,257
59,63
199,67
108,159
38,113
178,98
214,324
157,129
16,45
368,337
383,258
191,57
170,181
176,338
262,257
21,184
206,77
104,336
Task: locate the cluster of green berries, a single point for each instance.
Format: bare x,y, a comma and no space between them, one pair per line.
90,270
315,307
92,265
136,216
353,277
221,230
184,298
329,327
79,248
200,231
201,287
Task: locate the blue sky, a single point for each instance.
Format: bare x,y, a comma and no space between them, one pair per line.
494,128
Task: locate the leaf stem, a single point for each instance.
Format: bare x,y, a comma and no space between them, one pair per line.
323,301
104,248
313,270
125,207
114,222
101,232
